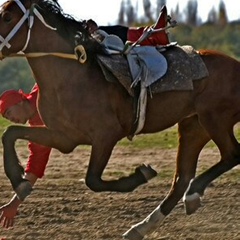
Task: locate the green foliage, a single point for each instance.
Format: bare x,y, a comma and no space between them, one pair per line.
15,74
209,36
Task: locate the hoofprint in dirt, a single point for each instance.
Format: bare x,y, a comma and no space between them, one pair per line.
61,207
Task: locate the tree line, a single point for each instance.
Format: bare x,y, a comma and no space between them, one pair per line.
216,33
128,13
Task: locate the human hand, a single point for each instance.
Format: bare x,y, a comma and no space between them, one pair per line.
7,215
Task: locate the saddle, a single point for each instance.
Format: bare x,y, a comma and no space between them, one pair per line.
173,68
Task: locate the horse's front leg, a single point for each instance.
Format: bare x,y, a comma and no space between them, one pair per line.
100,155
12,165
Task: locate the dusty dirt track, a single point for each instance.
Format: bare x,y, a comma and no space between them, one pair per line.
62,207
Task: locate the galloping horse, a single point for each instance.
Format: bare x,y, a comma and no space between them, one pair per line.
78,106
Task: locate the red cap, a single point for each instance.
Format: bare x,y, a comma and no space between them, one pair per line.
10,98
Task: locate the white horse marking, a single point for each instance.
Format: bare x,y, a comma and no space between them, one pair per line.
148,225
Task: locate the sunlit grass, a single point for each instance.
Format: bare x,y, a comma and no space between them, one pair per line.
167,139
3,124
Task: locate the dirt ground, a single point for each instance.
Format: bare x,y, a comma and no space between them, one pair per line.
61,207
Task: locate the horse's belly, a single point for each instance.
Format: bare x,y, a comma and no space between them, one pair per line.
166,109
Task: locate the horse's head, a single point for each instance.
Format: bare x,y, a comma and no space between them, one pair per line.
14,16
17,19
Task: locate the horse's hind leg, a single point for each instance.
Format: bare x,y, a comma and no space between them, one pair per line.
192,138
222,134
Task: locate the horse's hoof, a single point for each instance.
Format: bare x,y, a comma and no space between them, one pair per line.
192,203
23,190
132,234
147,171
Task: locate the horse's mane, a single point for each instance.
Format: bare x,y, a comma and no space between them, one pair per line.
67,27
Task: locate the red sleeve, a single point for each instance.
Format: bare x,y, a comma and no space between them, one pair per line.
38,159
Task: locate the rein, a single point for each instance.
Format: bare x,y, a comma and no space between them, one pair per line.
80,53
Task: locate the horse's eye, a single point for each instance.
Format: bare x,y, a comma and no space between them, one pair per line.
7,17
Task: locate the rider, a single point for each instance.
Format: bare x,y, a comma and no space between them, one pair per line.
20,108
132,34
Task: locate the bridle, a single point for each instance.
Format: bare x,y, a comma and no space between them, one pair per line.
5,41
29,14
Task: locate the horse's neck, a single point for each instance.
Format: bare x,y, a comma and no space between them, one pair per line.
43,39
47,68
51,72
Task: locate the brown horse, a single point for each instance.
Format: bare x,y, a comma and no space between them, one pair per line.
78,106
